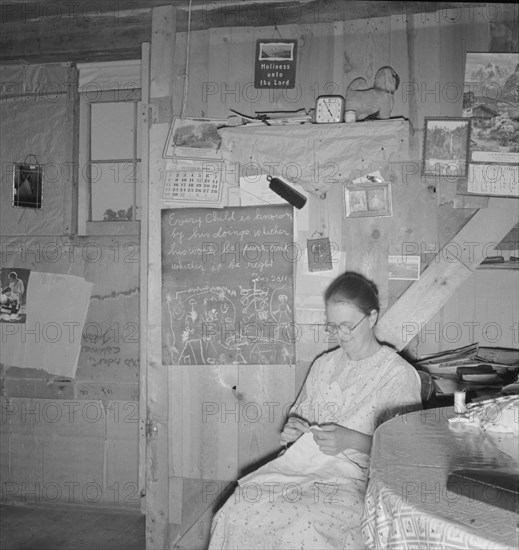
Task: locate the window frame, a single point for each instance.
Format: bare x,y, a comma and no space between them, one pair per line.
85,224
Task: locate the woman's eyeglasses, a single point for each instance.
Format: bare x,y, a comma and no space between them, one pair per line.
344,328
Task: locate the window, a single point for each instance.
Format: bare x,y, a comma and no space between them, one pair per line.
109,148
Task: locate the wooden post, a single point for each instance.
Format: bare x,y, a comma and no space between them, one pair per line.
157,478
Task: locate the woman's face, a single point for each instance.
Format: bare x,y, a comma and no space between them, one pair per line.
349,325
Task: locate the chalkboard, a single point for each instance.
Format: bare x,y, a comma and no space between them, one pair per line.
227,285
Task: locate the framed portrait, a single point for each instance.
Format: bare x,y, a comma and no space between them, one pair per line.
446,146
365,200
27,185
194,138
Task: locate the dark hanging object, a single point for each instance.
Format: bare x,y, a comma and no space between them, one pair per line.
287,192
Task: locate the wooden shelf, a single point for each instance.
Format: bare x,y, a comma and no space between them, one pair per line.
502,265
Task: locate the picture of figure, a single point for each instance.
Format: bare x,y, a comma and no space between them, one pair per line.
367,199
27,186
283,312
358,201
376,199
13,295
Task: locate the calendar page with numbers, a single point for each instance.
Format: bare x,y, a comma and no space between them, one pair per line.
494,179
189,180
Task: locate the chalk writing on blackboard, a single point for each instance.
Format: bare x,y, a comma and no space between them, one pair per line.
227,286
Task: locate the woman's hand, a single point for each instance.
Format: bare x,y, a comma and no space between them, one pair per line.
293,429
332,439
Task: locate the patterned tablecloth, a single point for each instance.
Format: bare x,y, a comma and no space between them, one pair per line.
407,503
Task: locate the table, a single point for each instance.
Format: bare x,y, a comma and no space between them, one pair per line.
407,503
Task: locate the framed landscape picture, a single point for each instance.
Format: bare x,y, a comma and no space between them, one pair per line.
445,147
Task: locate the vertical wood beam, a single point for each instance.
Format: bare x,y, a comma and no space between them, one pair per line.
161,86
143,267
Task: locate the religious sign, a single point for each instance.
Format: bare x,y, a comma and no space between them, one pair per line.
275,63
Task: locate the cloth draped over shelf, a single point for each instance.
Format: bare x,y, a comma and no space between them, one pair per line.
316,156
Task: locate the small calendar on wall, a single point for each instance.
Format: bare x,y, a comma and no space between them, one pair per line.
189,180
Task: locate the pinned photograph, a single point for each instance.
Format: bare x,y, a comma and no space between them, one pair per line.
27,185
404,268
13,294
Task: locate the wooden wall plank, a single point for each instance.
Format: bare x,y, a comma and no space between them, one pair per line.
475,28
366,48
399,60
411,234
54,37
452,63
455,263
371,258
265,395
199,85
339,65
237,79
211,415
315,50
478,312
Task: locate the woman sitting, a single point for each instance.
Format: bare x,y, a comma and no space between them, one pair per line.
312,495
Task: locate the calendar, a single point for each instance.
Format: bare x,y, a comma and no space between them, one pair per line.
494,179
190,180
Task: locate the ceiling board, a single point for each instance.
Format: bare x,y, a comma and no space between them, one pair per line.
65,30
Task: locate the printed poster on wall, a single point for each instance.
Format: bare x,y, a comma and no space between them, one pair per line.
275,64
227,286
490,100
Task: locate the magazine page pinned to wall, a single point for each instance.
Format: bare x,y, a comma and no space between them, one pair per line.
42,318
13,296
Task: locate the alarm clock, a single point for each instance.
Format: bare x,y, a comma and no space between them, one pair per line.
329,108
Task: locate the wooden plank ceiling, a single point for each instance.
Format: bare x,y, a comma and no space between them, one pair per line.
70,30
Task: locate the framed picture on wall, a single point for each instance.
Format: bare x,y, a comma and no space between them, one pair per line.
194,138
446,147
27,185
366,200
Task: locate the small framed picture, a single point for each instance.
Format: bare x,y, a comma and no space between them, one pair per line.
446,147
27,185
366,200
195,138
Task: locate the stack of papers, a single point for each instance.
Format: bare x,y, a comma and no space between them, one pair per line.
472,367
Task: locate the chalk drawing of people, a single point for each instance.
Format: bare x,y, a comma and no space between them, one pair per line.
283,313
